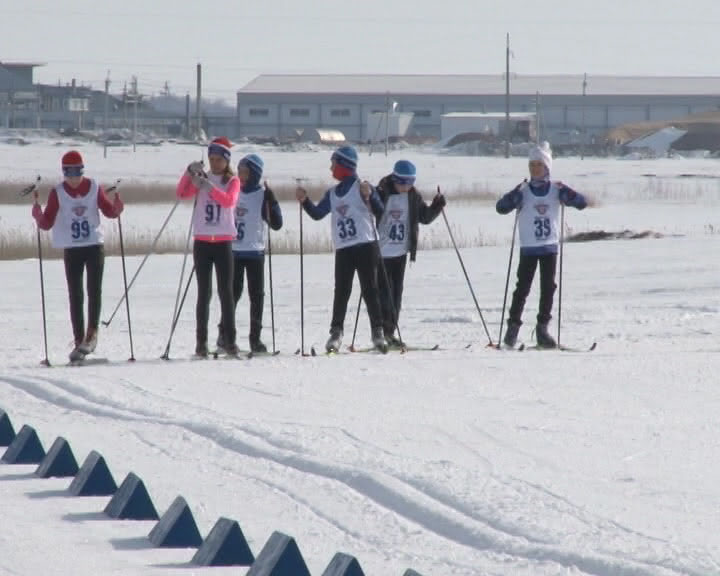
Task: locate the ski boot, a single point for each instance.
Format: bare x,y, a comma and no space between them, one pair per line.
220,342
378,340
232,350
334,342
90,343
76,354
393,341
543,338
201,350
257,346
511,335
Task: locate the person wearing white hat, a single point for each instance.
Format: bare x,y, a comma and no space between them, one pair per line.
538,205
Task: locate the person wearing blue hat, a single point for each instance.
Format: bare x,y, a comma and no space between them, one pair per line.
354,205
398,231
256,207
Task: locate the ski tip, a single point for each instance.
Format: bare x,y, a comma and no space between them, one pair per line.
312,351
593,346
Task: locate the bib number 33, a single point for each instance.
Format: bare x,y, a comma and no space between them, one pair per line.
346,228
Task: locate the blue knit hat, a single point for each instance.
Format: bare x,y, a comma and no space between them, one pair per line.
404,172
254,163
346,156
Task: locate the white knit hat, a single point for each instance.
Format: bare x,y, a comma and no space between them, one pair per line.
542,153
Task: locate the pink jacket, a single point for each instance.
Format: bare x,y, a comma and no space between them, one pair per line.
226,198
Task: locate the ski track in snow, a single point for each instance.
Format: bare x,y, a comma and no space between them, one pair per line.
417,501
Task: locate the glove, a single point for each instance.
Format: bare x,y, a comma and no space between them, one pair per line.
270,195
365,190
517,197
300,194
439,202
201,182
118,205
37,212
196,168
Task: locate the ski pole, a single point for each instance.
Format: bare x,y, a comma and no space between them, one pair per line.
272,304
142,263
124,271
182,269
507,279
166,354
32,188
357,317
302,287
467,278
562,241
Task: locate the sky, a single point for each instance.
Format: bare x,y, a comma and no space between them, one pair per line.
162,41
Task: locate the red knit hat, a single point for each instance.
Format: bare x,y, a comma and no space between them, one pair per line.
72,158
220,147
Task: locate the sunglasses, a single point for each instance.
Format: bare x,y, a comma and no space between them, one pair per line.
214,150
72,171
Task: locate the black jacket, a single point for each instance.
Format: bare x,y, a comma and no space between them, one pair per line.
420,212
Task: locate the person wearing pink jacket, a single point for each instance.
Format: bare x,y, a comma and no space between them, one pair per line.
216,194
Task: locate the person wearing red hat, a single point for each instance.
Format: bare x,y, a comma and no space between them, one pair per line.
216,194
73,213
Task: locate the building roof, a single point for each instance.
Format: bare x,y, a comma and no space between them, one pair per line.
486,84
489,115
11,65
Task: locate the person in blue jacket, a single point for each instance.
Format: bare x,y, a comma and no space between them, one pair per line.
354,206
256,207
538,205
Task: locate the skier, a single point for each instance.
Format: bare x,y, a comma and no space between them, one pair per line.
255,207
352,203
538,204
73,212
398,230
214,230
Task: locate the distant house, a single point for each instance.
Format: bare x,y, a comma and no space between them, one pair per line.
322,136
522,124
694,132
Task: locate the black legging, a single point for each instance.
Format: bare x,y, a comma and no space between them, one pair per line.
391,295
76,261
205,254
255,270
525,274
363,258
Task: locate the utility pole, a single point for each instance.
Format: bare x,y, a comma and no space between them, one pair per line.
538,122
198,97
105,119
582,136
387,121
135,103
188,129
507,97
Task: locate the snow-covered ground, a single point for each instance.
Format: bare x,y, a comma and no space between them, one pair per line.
464,461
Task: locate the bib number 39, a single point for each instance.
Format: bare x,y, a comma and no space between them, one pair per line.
542,228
